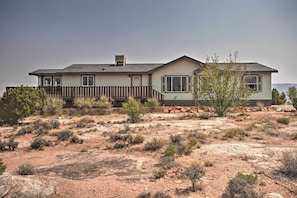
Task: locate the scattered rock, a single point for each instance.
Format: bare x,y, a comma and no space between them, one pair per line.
25,186
272,195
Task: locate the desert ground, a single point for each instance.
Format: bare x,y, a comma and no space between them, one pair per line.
99,167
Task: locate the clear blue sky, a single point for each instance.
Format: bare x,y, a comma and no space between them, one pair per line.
41,34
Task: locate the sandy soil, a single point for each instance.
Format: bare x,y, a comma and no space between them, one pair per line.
95,169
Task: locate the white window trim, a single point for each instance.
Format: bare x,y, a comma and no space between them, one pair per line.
258,82
88,76
188,81
54,82
45,80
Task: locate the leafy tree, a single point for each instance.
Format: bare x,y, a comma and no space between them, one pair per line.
292,92
223,88
133,108
278,99
21,102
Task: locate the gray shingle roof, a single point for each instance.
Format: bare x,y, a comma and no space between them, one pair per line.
134,68
252,67
108,68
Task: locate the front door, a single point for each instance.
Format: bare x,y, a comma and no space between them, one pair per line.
136,81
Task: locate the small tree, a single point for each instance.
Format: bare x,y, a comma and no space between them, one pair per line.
133,108
21,102
277,98
223,87
292,94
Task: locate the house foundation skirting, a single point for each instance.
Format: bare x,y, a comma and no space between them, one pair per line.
252,103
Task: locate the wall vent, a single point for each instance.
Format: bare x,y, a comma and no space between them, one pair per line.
120,60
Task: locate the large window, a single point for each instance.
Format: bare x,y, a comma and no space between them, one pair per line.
47,81
88,80
57,81
176,83
254,82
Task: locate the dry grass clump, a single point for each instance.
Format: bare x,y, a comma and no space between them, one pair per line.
155,144
25,169
235,132
85,122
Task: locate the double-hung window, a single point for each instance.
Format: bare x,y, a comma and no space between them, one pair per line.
88,80
176,83
254,82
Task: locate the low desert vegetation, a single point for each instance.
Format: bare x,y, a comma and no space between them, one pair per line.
10,145
155,195
39,143
155,144
85,122
64,135
152,103
194,173
54,106
25,169
251,179
238,187
138,139
74,139
85,104
133,109
283,120
235,132
289,164
2,167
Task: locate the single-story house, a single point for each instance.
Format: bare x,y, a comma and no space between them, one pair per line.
169,82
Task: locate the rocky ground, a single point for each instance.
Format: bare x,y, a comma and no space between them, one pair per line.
96,168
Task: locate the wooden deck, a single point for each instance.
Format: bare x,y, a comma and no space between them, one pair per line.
116,92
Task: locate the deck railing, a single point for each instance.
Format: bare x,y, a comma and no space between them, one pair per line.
118,92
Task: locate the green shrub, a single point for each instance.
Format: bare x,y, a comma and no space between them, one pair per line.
84,103
54,106
74,139
283,120
2,167
238,187
25,169
289,164
85,122
294,103
251,179
39,143
154,145
192,141
152,103
134,109
64,135
21,102
138,139
231,133
194,173
170,150
201,137
103,102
